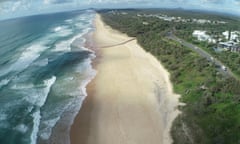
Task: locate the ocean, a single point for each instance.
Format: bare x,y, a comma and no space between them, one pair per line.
44,70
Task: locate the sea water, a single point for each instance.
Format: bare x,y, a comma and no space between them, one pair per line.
44,69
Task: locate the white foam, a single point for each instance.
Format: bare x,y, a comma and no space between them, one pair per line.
4,82
46,133
62,31
86,69
48,84
21,128
57,29
22,86
73,106
81,18
88,17
27,57
37,96
81,92
30,108
91,74
65,32
69,21
36,122
79,25
80,36
41,63
84,21
39,100
63,46
85,82
69,78
3,116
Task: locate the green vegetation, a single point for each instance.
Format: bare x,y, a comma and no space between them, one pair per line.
185,30
212,111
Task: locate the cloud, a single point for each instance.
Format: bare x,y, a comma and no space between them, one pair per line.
213,1
12,6
180,1
117,1
56,1
237,2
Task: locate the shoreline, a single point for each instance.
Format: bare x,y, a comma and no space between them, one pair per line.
138,89
61,131
75,138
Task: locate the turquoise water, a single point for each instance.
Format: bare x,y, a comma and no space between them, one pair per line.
44,69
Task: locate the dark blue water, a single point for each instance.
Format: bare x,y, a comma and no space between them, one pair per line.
44,69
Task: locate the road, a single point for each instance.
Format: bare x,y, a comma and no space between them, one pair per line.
205,54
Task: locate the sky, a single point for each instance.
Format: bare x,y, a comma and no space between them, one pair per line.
18,8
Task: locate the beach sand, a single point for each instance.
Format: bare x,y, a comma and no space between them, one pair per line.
130,101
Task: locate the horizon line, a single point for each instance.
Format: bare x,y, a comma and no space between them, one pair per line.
222,13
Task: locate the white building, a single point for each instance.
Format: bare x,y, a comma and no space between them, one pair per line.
233,37
202,36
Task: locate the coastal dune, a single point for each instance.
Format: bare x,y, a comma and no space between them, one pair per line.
131,100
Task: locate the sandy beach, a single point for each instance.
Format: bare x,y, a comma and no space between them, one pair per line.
131,100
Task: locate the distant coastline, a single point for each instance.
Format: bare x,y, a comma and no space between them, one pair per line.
206,11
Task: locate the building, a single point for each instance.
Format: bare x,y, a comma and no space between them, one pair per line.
235,49
232,36
229,46
202,36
